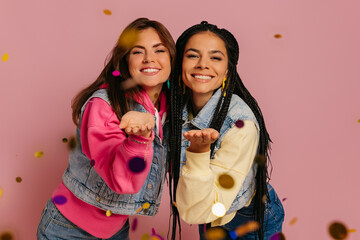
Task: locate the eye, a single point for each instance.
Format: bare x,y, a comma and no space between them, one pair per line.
191,56
160,51
217,58
136,52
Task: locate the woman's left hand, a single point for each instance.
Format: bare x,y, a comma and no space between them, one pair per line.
201,139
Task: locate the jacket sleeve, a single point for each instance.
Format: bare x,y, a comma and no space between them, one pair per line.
103,141
198,188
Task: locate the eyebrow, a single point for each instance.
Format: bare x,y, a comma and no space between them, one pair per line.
155,46
212,51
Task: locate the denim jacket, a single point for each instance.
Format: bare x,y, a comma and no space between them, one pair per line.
83,181
238,109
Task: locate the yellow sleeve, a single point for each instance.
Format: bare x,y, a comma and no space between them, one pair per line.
198,188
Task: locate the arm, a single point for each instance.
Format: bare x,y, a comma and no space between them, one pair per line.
104,142
198,188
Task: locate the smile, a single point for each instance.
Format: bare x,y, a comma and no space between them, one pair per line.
203,77
149,70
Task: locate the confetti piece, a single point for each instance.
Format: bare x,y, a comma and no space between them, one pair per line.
18,179
107,12
64,140
264,198
293,221
134,224
244,229
1,191
6,236
277,36
239,123
260,159
72,143
5,57
92,163
174,203
128,38
338,230
39,154
99,198
139,210
352,230
145,237
155,236
116,73
137,164
146,205
226,181
284,199
108,213
359,120
278,236
215,234
156,95
59,200
218,209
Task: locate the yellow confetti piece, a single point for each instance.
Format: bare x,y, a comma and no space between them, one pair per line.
174,203
293,221
39,154
145,237
6,236
18,179
352,230
72,143
1,191
338,230
155,238
260,159
108,213
139,210
5,57
277,36
264,198
107,12
146,205
128,38
156,95
226,181
215,234
99,198
359,120
218,209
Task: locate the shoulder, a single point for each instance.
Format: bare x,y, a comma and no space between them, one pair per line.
238,109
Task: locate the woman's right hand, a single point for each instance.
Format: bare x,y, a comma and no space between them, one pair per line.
137,123
201,140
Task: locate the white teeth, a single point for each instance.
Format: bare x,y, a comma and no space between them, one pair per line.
202,77
150,70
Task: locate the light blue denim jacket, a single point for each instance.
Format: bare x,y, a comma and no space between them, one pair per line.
238,109
83,181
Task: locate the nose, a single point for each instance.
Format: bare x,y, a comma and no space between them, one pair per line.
148,57
202,63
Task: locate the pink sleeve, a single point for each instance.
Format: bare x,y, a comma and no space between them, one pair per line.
104,142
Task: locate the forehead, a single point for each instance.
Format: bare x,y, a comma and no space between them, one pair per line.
206,41
147,36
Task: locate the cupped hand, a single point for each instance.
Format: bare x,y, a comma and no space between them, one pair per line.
200,140
137,123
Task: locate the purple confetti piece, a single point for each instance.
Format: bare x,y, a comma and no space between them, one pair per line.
239,123
134,224
59,199
284,199
137,165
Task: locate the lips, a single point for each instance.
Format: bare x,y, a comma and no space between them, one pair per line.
202,77
149,70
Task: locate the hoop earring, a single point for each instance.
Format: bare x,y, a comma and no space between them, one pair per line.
223,87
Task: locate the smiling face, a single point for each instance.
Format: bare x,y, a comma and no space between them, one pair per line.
205,64
149,60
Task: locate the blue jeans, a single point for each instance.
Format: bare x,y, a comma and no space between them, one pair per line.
273,219
54,226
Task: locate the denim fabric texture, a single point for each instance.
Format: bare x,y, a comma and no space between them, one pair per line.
273,219
84,182
54,226
238,110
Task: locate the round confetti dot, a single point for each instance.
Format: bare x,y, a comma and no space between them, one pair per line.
128,38
6,236
226,181
260,159
39,154
108,213
215,234
156,95
134,224
137,165
107,12
146,205
338,230
18,179
92,163
293,221
72,143
116,73
359,120
278,236
239,123
59,200
218,209
5,57
277,36
64,140
145,237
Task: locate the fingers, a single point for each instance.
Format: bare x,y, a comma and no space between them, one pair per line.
205,136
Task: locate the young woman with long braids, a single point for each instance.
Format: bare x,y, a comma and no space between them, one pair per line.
217,131
118,167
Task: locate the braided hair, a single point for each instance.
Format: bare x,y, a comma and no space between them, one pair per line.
234,85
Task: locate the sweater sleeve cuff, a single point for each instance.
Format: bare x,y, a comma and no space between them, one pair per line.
198,163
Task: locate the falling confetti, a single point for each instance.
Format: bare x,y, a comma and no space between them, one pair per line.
338,230
99,198
264,198
218,209
244,229
64,140
284,199
92,163
146,205
6,236
260,159
18,179
278,236
108,213
156,95
215,234
174,203
107,12
239,123
137,164
1,192
39,154
359,120
59,200
293,221
145,237
116,73
5,57
226,181
72,143
277,36
352,230
139,210
155,236
128,38
134,224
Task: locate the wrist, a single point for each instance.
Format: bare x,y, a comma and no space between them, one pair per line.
198,148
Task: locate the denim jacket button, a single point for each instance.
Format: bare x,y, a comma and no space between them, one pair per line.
149,186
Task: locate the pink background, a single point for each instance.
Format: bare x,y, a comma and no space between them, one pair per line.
307,84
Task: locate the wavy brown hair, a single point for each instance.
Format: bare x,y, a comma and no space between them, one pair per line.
117,60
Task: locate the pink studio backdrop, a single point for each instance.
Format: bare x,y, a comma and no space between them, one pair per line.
307,84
